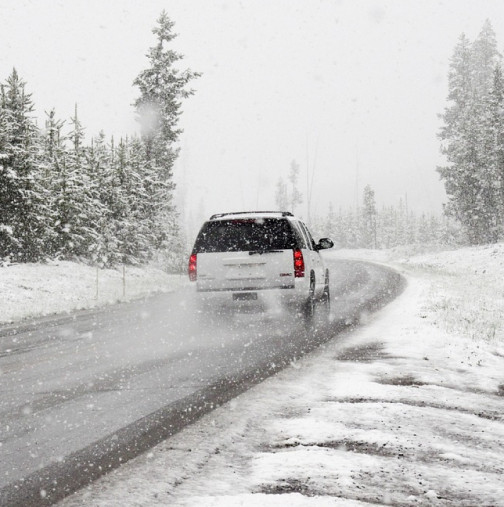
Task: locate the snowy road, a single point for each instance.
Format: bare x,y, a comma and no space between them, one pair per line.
81,394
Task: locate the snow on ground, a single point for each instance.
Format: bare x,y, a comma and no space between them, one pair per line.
406,410
35,290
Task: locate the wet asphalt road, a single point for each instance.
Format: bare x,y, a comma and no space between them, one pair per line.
82,393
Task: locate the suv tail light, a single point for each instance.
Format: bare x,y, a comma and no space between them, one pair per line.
192,268
299,266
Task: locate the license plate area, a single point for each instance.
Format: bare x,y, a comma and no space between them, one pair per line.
245,296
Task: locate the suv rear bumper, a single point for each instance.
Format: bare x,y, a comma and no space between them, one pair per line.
250,299
246,288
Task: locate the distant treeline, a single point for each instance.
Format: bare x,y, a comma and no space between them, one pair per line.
388,227
103,202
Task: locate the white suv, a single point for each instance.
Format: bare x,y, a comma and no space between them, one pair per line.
254,259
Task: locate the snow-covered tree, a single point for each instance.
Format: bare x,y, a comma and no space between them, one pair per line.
162,88
21,195
138,233
467,136
369,229
491,154
101,192
52,157
484,55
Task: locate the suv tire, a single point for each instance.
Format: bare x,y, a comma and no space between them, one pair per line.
309,306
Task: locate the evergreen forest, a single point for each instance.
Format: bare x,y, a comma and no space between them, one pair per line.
111,201
103,202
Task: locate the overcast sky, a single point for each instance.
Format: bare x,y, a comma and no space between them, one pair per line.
350,89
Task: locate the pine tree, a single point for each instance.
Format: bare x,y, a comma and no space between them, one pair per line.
484,55
7,238
468,177
497,133
103,246
131,229
457,176
121,210
491,153
485,61
21,196
162,88
53,153
369,229
139,228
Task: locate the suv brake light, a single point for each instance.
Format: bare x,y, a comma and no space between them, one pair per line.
299,266
192,269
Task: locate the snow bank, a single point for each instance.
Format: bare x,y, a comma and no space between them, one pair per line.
467,291
34,290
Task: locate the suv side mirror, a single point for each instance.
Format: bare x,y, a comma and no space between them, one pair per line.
324,243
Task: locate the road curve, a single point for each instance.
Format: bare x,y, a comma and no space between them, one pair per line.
83,393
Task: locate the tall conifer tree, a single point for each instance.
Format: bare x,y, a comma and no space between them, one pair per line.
21,226
162,88
466,137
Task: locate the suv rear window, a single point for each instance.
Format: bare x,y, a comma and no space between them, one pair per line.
244,235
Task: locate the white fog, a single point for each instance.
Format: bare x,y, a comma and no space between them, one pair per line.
165,338
352,89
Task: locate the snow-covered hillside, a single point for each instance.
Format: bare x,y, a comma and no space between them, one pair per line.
408,409
467,293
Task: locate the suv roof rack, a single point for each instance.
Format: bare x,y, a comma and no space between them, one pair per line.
283,213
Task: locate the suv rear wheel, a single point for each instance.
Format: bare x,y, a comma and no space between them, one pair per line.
326,298
309,306
326,295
